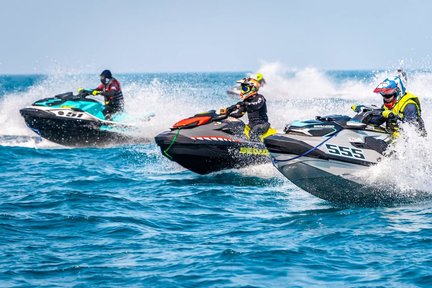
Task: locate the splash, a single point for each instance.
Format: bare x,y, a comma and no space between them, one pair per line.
167,100
291,94
303,94
407,168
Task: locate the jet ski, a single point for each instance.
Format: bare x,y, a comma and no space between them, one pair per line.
75,120
324,156
209,142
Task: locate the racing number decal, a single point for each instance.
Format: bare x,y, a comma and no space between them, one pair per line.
345,151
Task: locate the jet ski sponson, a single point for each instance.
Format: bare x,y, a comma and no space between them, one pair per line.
74,120
323,156
210,142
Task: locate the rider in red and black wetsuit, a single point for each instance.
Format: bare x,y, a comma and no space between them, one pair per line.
110,89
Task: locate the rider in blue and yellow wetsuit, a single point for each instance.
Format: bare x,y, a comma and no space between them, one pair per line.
399,105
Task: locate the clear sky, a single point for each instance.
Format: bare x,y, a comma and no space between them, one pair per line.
38,36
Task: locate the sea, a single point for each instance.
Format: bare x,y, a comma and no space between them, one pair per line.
126,216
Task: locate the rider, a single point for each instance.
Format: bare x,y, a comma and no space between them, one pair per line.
254,105
398,105
110,89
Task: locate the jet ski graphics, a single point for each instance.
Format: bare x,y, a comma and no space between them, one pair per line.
210,142
74,120
324,156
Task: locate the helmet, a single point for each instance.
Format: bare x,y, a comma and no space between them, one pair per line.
390,87
259,77
105,75
248,87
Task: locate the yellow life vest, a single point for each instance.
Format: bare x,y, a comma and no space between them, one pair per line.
398,110
400,105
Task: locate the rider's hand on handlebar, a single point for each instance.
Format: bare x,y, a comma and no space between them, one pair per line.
96,92
357,108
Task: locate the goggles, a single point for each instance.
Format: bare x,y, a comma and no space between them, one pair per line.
388,96
245,88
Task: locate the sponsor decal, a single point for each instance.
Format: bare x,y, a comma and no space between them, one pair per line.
345,151
254,151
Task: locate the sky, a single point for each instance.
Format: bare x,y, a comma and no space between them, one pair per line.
40,36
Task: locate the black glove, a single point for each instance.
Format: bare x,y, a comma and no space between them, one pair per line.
231,108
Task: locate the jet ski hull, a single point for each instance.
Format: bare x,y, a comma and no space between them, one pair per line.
330,180
210,154
70,131
326,157
323,179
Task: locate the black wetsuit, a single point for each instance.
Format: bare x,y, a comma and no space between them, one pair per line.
256,108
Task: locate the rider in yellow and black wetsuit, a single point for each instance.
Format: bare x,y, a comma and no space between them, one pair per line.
254,105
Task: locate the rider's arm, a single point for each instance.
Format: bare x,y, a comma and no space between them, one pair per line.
410,113
376,120
99,88
240,110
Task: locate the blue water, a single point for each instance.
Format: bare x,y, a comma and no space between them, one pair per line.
127,216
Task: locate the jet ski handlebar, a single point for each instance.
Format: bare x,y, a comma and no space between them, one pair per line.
71,96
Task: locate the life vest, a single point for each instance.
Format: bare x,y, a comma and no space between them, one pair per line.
400,105
116,100
398,110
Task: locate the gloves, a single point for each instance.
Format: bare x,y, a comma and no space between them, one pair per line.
395,134
96,92
357,108
388,114
223,111
84,91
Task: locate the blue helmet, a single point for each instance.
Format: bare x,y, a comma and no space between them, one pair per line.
390,87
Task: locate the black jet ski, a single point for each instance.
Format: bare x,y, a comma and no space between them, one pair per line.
210,142
324,156
234,91
75,120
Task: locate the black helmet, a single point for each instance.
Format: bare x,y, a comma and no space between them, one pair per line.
106,74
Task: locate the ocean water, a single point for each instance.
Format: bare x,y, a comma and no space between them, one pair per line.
127,216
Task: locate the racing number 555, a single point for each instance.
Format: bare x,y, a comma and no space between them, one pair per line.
345,151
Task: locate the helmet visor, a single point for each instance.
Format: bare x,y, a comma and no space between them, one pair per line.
385,91
388,96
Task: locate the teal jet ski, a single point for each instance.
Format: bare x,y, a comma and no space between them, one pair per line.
75,120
